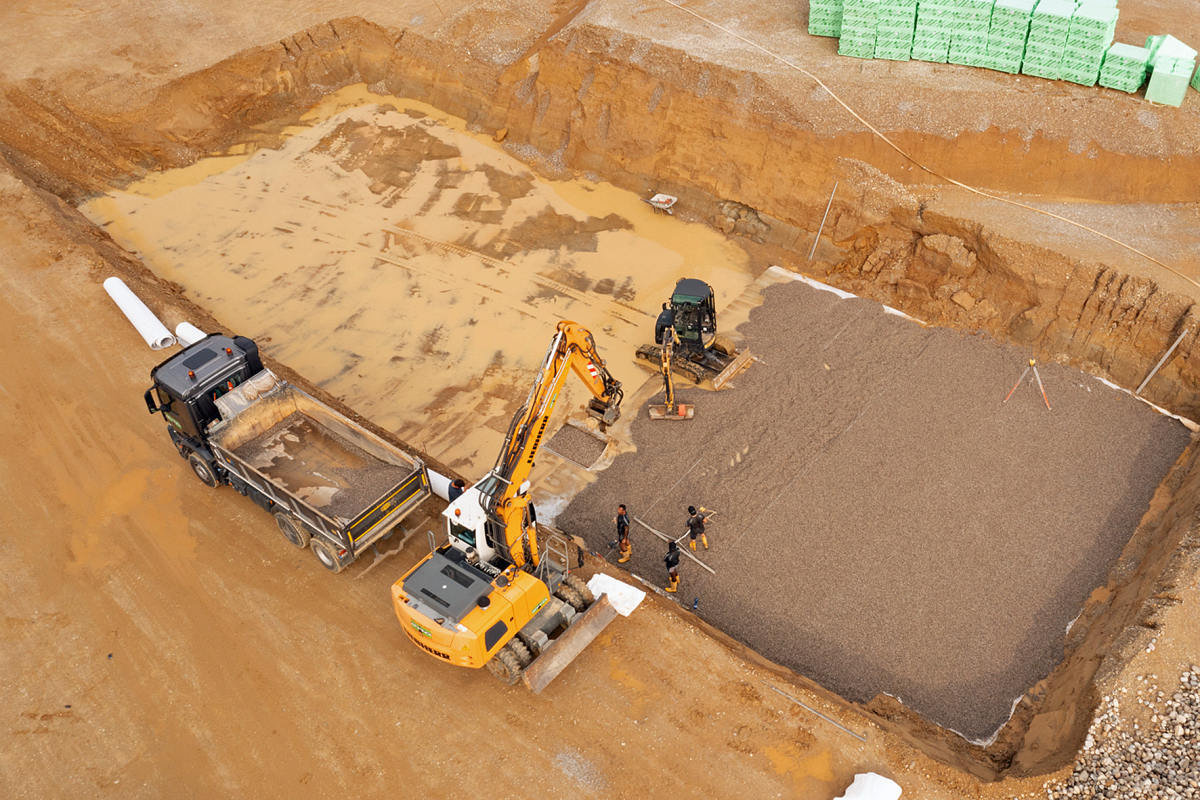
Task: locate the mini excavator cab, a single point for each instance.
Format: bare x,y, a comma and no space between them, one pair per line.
694,307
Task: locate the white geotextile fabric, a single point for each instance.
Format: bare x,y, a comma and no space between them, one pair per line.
869,786
624,597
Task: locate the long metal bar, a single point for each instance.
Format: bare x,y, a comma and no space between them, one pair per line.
818,713
1161,361
666,538
828,205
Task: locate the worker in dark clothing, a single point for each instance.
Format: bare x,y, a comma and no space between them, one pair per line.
672,562
695,525
457,487
622,520
665,321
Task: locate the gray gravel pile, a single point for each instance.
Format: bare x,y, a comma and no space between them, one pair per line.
1120,759
326,470
575,445
884,523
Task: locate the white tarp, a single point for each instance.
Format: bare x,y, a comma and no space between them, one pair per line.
869,786
188,334
623,597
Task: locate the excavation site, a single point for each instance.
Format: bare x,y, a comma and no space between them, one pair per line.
942,434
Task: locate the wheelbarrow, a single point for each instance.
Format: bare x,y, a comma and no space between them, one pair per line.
662,202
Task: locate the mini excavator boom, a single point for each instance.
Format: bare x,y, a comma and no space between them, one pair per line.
499,592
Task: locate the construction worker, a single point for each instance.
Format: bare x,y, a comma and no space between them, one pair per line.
672,562
695,526
457,487
664,323
622,520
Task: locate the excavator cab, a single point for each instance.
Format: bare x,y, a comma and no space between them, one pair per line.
694,308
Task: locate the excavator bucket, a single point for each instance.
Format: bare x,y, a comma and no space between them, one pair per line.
555,658
679,411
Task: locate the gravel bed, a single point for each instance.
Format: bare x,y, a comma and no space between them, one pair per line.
1121,759
321,467
884,523
575,445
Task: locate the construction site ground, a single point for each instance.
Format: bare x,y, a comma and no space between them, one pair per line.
162,639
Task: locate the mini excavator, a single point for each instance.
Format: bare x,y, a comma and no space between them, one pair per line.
499,592
700,352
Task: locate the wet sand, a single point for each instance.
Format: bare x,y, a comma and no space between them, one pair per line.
412,268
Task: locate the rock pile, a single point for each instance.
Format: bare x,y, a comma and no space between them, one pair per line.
1122,760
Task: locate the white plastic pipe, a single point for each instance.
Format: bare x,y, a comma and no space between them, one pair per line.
148,325
188,334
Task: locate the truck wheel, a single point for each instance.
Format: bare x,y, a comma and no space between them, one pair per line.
203,470
506,666
325,554
571,598
524,657
292,529
576,583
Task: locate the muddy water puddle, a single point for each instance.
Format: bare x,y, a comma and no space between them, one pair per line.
413,268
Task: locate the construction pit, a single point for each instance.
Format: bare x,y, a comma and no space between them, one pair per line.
399,209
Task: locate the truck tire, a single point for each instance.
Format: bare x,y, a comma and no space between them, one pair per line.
292,529
326,555
524,656
203,470
505,666
581,588
571,598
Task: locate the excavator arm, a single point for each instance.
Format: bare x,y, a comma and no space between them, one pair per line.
572,350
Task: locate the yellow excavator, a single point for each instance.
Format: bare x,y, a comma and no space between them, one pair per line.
499,591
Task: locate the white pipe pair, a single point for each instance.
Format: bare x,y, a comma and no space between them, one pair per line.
148,325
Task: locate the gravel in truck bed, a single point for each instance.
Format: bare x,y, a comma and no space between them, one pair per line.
884,522
320,467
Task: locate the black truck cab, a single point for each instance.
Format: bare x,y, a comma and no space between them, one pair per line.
188,383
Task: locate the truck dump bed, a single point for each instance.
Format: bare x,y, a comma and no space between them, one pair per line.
341,477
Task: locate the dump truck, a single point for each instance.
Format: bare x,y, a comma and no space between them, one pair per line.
499,591
332,485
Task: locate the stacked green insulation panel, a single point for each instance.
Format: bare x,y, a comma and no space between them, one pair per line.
1125,67
1007,32
1172,64
825,17
860,19
968,45
936,22
1092,28
897,22
1048,30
